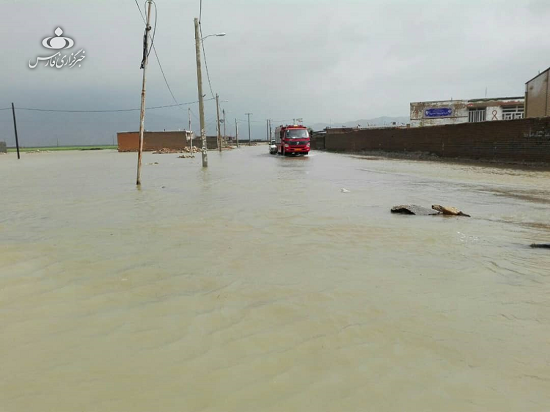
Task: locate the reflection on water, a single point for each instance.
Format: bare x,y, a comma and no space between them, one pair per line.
258,285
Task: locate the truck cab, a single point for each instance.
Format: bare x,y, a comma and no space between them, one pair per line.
292,140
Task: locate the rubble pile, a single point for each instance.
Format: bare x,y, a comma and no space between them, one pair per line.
193,149
167,151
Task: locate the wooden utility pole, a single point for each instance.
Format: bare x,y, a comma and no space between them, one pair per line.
142,112
270,130
201,98
218,114
249,139
237,132
15,129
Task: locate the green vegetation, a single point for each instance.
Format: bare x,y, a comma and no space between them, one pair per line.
60,148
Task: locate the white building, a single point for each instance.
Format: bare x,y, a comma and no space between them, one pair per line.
464,111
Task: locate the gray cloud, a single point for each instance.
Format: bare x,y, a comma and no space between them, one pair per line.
318,60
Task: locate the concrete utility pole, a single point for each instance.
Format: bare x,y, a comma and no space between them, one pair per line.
199,86
249,139
191,152
223,111
142,112
15,129
237,132
219,129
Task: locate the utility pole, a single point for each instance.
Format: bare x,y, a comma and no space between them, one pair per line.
219,130
267,130
270,130
237,132
199,86
15,129
223,111
249,139
191,147
142,112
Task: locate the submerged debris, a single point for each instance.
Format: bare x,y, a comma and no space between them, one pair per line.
449,210
424,211
413,210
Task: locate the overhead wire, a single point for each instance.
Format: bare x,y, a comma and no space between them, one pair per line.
203,51
106,111
155,50
205,62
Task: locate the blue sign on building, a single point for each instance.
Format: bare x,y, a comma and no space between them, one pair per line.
439,112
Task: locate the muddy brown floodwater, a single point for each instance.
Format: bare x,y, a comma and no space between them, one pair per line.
258,285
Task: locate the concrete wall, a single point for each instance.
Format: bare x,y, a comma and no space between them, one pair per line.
3,147
514,140
537,96
129,141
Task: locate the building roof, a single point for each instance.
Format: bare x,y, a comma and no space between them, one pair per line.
491,99
528,81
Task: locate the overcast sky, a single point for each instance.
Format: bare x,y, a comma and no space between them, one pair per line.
316,59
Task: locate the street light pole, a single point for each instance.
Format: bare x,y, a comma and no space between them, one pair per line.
249,139
223,111
201,100
142,111
237,132
218,115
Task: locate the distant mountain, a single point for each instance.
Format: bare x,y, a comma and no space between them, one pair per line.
378,121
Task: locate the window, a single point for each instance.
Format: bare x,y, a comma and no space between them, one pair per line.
476,115
512,112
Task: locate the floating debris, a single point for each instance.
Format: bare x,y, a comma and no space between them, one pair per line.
345,190
541,245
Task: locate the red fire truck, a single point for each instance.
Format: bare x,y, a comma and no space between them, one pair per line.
292,139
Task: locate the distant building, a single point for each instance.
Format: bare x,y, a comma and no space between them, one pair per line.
537,95
176,140
3,147
466,111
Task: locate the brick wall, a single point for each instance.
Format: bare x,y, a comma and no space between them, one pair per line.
516,140
129,141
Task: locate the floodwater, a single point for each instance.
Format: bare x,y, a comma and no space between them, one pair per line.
258,285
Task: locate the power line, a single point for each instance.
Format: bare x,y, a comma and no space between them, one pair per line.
155,50
103,111
205,62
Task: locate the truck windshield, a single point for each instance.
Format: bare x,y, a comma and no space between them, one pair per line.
297,134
